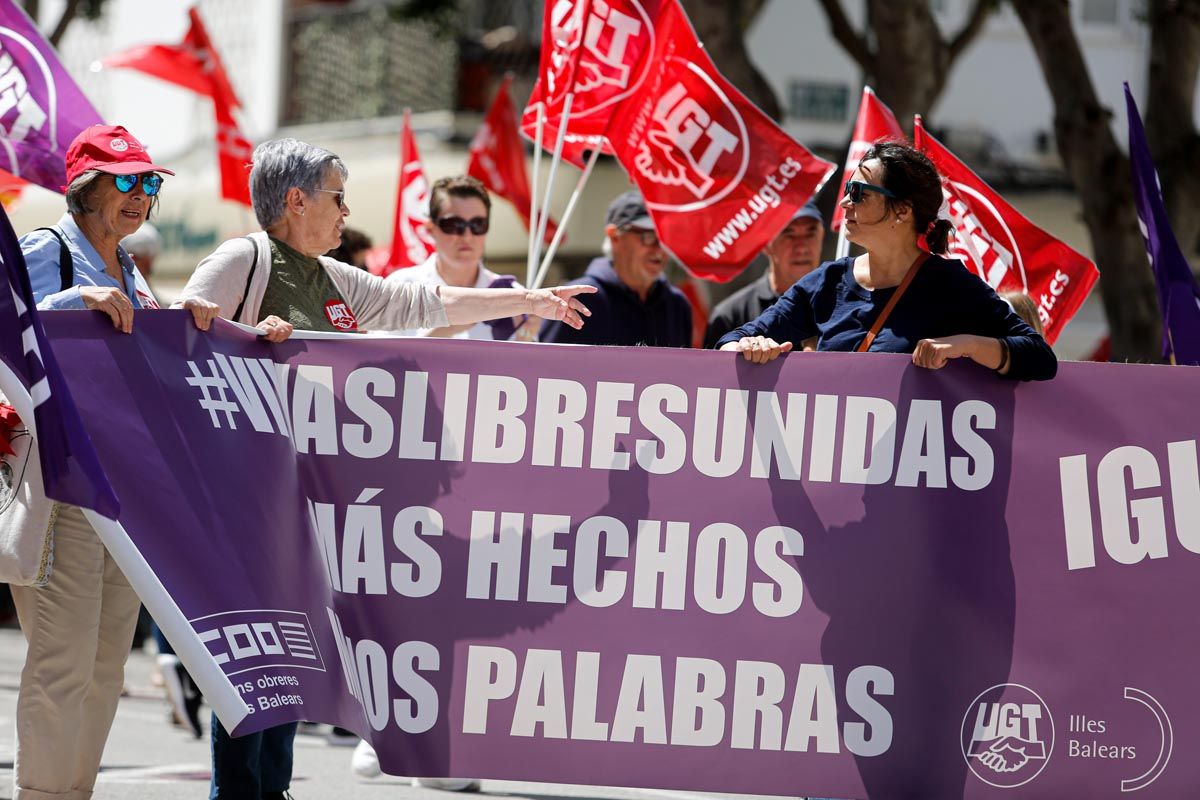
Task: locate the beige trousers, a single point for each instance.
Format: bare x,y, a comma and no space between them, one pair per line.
79,628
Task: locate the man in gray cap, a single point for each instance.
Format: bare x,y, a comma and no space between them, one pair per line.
635,304
791,255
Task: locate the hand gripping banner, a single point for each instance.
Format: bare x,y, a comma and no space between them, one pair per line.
837,575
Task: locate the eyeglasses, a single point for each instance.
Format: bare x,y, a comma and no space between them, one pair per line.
855,190
457,226
648,238
151,183
339,196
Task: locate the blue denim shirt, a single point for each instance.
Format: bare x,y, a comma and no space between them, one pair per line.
42,253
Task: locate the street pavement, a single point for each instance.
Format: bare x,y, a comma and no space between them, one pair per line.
149,759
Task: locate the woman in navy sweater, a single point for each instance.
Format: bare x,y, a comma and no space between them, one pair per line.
945,311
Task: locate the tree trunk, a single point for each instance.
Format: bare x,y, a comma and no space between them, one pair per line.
903,54
721,25
1100,172
911,60
1170,129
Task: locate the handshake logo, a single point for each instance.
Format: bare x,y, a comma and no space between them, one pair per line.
1007,736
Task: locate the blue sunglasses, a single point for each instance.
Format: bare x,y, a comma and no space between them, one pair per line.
151,183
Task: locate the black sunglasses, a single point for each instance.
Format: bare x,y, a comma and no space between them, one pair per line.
151,183
856,189
457,226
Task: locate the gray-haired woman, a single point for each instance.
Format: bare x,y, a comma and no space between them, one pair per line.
278,280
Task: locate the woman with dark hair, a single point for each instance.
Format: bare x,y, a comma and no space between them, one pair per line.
902,295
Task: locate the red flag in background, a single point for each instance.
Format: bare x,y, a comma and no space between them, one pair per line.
1003,247
195,64
233,157
605,46
411,243
498,156
875,121
720,178
192,64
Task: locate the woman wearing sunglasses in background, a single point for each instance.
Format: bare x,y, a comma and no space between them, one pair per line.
902,295
459,217
80,624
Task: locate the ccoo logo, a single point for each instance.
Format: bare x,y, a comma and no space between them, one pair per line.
1007,735
695,149
612,38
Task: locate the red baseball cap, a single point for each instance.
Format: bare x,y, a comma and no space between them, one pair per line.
111,149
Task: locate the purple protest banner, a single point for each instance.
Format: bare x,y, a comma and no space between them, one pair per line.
835,575
41,107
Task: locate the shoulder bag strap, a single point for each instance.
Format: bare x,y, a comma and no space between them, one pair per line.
865,345
66,266
237,315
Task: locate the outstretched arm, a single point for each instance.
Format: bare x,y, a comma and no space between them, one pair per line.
476,305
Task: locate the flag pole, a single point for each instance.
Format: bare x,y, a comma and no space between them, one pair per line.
562,223
531,256
559,141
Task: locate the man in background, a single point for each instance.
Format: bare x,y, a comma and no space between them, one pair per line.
791,255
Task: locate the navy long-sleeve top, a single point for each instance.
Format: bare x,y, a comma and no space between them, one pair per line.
944,299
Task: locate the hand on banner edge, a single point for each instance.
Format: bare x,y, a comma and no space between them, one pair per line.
275,329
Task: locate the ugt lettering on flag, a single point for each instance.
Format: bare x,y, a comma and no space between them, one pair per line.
607,46
719,177
1003,247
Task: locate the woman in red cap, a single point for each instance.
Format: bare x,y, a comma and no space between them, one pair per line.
79,625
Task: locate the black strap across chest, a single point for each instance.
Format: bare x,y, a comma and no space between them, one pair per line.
237,315
66,266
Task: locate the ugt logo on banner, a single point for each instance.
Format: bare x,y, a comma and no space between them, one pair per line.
696,148
1007,735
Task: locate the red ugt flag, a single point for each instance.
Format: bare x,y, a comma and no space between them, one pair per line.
605,46
498,157
719,177
194,64
1003,247
411,243
875,121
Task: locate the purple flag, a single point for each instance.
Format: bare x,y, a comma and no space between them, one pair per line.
1178,293
32,383
41,107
